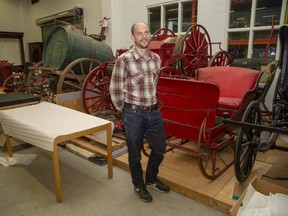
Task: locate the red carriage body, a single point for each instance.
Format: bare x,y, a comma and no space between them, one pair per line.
192,111
192,107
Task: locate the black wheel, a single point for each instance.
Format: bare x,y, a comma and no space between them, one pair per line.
247,142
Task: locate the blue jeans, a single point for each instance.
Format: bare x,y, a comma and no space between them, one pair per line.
137,125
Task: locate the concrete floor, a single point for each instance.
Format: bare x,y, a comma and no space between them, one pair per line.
28,190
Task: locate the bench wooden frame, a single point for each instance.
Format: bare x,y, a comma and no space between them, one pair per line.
103,126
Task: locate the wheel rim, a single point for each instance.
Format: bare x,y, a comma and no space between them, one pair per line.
15,82
214,158
162,34
247,143
41,82
171,72
196,48
73,76
95,91
221,58
146,150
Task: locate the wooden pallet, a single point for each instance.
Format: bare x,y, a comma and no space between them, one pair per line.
87,146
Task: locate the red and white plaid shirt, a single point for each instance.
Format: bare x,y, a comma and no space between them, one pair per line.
134,79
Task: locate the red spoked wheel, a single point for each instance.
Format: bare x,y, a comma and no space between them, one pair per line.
215,156
95,90
172,72
15,82
41,81
197,49
162,34
221,58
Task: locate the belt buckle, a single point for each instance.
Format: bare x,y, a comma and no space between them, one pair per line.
148,109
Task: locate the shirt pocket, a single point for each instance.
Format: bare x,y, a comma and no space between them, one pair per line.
137,77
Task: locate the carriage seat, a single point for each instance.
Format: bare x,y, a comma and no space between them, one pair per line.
238,86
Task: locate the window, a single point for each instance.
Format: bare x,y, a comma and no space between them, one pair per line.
189,15
260,42
266,10
238,44
178,17
171,17
254,27
154,15
240,14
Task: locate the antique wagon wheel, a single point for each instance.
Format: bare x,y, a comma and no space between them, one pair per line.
41,81
162,34
197,48
15,82
95,90
214,156
72,77
172,72
247,142
221,58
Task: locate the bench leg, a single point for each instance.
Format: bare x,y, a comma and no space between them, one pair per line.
109,151
56,170
9,146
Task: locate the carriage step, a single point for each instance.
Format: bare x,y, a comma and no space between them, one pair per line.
263,147
267,142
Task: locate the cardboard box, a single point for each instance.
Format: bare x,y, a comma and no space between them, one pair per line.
261,186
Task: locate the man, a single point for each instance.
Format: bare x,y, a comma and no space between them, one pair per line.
133,92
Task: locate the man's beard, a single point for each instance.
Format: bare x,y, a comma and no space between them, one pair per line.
141,46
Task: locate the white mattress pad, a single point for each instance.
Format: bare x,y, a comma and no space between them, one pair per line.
40,124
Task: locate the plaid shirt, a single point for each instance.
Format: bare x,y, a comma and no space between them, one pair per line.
134,79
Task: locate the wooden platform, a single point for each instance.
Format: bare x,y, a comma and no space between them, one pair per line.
180,170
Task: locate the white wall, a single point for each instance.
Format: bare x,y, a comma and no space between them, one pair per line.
11,16
211,14
92,14
11,20
123,13
20,16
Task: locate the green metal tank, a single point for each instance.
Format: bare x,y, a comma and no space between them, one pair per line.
64,45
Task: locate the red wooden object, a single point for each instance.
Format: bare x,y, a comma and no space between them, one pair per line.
192,111
6,69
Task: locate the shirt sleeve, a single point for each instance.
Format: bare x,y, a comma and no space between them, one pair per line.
117,84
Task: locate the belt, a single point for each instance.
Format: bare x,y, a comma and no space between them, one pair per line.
141,108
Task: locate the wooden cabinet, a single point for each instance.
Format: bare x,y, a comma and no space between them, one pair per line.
35,51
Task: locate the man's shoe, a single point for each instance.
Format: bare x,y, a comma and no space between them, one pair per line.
159,186
143,193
